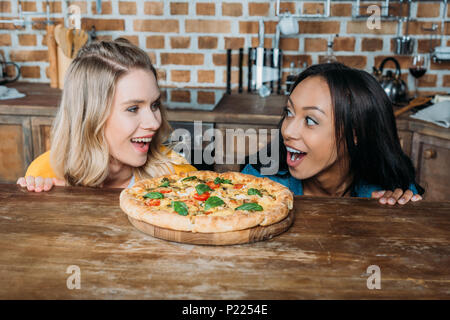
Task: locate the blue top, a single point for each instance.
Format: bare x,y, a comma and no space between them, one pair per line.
296,185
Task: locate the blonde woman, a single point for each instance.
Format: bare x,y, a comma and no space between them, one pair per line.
110,125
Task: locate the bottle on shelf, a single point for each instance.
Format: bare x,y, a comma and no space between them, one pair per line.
330,57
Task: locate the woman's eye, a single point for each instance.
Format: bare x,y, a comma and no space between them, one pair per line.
133,109
310,121
288,112
156,105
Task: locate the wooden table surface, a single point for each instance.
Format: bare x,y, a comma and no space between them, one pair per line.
325,254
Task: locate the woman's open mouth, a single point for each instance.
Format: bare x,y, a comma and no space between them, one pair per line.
294,156
141,144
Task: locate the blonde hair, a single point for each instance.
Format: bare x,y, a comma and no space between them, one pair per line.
79,152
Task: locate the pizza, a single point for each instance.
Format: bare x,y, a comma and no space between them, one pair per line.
206,201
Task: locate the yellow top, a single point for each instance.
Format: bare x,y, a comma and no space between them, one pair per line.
40,167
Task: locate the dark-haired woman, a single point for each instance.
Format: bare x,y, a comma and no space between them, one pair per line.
339,138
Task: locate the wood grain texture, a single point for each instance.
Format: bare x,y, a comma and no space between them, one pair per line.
325,254
258,233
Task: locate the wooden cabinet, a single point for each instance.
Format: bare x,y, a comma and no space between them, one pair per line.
431,157
405,141
16,148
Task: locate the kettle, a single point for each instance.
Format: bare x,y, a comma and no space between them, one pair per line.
392,84
3,74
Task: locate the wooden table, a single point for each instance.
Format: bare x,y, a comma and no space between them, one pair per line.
325,254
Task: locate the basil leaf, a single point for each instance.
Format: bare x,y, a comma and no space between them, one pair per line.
219,180
180,207
164,182
253,191
213,202
189,178
250,207
154,195
202,188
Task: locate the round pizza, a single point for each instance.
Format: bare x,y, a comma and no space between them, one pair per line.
206,201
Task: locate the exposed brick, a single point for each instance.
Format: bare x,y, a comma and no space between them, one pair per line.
39,23
104,37
27,39
289,44
232,9
205,9
180,42
234,43
180,75
428,10
179,8
234,76
207,42
427,80
81,4
161,74
416,27
341,9
423,45
55,7
128,8
155,42
371,44
253,27
344,44
33,72
208,26
106,7
301,58
206,76
5,7
7,26
28,55
360,27
180,96
182,58
28,6
133,39
440,66
267,42
154,8
258,9
206,97
156,25
313,8
404,61
11,71
315,44
103,24
220,59
319,27
446,80
5,40
287,7
152,56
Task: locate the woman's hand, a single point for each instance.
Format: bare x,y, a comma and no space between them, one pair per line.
396,196
37,184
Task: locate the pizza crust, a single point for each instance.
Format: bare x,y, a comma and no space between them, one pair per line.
239,220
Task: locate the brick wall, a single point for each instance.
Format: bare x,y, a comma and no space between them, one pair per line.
187,40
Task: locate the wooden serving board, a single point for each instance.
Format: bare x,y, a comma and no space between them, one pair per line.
254,234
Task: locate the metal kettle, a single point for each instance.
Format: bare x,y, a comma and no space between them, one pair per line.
3,75
392,84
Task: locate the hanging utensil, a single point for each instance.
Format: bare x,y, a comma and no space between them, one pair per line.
79,40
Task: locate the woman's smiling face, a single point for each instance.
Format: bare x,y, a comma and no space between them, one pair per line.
308,129
135,117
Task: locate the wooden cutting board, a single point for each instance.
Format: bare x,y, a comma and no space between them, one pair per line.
254,234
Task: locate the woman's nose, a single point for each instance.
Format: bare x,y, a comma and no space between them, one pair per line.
291,130
149,120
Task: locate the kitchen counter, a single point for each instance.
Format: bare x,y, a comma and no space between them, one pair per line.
324,255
